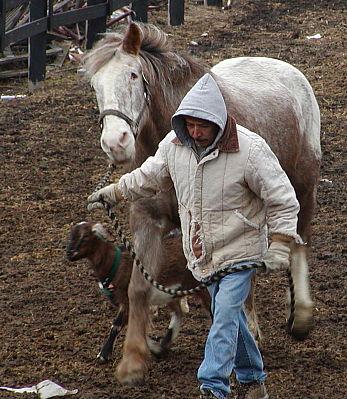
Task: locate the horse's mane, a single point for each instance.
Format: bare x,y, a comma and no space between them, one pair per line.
162,67
101,53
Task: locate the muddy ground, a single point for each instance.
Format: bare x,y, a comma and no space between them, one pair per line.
53,318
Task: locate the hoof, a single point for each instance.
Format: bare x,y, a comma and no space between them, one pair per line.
101,359
131,377
158,351
300,323
154,347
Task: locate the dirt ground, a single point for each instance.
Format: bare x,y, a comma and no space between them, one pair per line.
53,318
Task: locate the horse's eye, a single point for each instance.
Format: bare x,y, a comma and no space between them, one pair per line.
133,76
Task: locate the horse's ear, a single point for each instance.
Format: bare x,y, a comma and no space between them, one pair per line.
132,39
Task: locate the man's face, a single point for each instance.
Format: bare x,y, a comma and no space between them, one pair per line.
201,131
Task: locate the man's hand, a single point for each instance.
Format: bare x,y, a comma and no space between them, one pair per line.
277,257
109,194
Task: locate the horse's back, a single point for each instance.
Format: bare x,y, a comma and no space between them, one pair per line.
270,96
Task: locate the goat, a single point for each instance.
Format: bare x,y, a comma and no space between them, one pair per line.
113,268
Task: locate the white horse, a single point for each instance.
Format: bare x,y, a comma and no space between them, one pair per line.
139,82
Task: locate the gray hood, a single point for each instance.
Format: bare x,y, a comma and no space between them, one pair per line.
205,101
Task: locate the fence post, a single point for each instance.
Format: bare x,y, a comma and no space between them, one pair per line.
140,8
37,47
2,24
95,26
176,12
217,3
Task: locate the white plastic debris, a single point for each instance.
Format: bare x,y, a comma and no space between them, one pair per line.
205,34
12,97
45,389
193,43
316,36
326,181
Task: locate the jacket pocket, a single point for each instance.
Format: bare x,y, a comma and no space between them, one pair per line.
233,235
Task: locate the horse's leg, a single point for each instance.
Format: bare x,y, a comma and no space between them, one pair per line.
300,319
134,363
117,326
251,314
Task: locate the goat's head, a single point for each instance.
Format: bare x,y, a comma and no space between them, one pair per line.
84,239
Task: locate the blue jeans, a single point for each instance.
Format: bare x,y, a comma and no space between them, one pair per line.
230,346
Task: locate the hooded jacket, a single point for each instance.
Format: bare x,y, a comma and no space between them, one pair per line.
230,196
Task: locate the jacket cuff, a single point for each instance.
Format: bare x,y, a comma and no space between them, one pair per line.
280,237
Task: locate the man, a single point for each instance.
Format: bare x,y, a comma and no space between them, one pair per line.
231,194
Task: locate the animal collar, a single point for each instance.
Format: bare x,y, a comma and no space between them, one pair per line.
105,283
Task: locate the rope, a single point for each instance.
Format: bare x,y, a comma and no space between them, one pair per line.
173,292
105,180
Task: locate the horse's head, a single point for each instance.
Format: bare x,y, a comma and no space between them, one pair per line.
139,82
121,91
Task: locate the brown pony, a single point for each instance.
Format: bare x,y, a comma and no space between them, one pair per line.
112,266
139,82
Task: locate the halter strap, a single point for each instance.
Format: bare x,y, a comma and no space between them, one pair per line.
134,125
115,112
104,284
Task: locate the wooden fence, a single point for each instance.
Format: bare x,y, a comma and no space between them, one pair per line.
42,20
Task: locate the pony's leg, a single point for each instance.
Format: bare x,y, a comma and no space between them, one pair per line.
160,348
134,363
117,326
205,300
184,305
300,319
148,222
251,313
